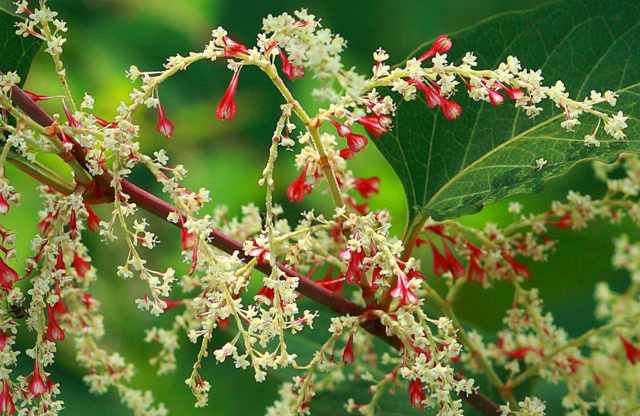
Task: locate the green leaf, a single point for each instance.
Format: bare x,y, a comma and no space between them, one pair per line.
451,168
16,52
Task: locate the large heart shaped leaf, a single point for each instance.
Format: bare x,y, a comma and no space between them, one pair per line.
451,168
16,53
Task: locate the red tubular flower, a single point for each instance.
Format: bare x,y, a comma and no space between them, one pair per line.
93,221
105,123
266,293
433,97
563,222
441,45
367,187
164,125
3,339
342,129
521,353
81,265
495,97
227,108
416,394
6,401
451,109
291,71
347,355
475,273
261,254
232,47
633,353
4,205
356,142
187,239
72,121
440,264
8,276
300,187
60,265
346,153
170,304
361,208
356,267
36,97
514,93
37,386
54,332
402,291
518,268
376,125
335,285
454,265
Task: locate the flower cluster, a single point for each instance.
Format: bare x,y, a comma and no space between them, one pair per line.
353,249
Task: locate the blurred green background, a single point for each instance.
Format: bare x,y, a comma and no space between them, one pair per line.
105,37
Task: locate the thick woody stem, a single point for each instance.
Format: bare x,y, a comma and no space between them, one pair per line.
307,287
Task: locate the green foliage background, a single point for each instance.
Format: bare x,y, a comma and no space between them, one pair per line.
106,37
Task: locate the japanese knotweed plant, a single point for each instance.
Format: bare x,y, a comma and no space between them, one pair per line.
452,156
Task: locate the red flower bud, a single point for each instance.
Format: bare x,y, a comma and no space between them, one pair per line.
93,221
37,98
4,205
402,291
633,353
346,153
367,187
440,264
54,332
454,265
72,121
347,355
291,71
6,401
564,222
335,285
441,45
376,125
518,268
361,208
495,97
233,48
105,123
82,266
164,125
37,386
73,225
227,108
342,129
8,276
356,142
416,394
298,188
451,109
